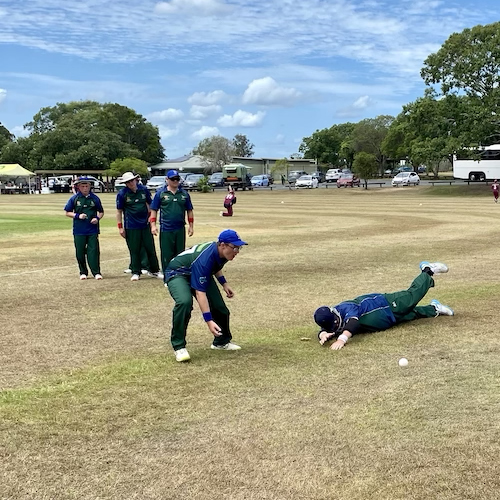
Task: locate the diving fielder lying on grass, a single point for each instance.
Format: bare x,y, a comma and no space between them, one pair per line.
379,311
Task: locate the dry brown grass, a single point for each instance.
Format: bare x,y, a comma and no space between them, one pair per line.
94,406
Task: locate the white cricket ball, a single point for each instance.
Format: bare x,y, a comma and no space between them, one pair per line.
282,202
403,362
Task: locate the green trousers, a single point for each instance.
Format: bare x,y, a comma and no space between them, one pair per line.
172,243
182,293
87,248
404,303
137,240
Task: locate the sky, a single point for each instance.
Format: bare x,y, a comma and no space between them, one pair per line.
275,71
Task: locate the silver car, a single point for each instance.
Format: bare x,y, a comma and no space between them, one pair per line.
191,182
406,179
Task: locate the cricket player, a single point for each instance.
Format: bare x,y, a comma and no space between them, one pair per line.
379,311
85,208
192,273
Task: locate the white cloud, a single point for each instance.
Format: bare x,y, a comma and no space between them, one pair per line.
166,132
241,119
3,94
166,115
362,103
266,91
207,98
201,112
193,7
204,132
20,131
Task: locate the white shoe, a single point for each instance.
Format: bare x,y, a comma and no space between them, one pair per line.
83,277
441,309
98,277
220,213
127,271
158,275
144,271
226,347
435,267
182,355
135,277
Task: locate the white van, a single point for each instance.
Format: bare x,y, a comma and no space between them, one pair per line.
332,174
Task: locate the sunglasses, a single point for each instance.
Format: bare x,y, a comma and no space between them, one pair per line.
174,178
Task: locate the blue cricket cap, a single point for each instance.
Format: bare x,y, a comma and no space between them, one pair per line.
230,236
327,318
83,178
172,173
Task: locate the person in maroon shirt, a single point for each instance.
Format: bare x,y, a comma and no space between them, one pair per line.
229,201
494,187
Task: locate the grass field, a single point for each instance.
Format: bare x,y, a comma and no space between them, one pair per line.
94,406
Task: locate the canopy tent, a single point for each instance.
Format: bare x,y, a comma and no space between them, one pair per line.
14,170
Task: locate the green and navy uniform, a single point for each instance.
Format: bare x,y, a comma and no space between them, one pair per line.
85,234
172,210
379,311
137,231
193,270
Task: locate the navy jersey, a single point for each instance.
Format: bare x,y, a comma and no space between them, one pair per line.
172,207
199,263
89,205
135,206
372,311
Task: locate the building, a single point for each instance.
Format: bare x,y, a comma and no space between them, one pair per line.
194,164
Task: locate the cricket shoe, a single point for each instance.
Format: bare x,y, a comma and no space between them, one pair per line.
441,309
127,271
98,276
435,267
158,275
135,277
83,277
182,355
226,347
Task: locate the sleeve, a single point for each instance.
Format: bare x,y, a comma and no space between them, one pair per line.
352,325
156,203
148,196
189,204
201,271
120,205
99,204
70,205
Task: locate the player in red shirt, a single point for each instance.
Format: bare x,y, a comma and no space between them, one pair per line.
494,187
229,201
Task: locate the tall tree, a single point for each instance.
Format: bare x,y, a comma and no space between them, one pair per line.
5,136
216,151
365,166
242,146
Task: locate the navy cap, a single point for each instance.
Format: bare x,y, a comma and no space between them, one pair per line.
327,318
172,173
82,179
230,236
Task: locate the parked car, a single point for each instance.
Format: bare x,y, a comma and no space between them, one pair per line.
270,178
422,169
348,180
306,181
293,175
319,175
119,184
406,179
332,174
156,182
216,179
191,182
346,171
260,180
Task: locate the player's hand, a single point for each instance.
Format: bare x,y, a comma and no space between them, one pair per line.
190,231
82,216
228,290
154,230
94,220
338,344
122,232
214,328
324,337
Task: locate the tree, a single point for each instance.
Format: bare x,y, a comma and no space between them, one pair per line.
216,152
326,146
89,135
122,165
5,136
365,166
280,168
242,146
468,64
368,136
